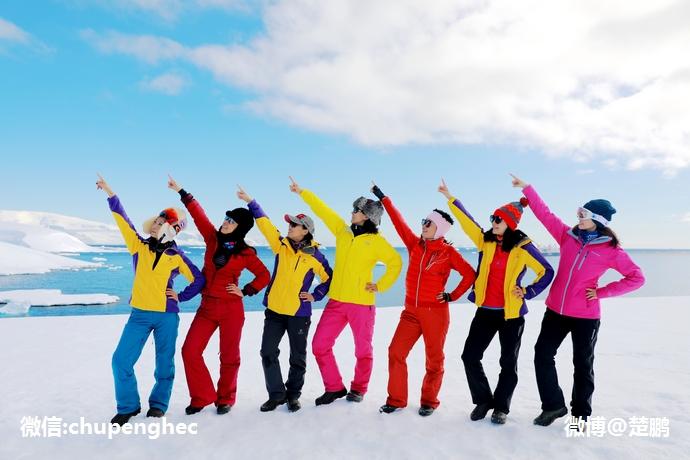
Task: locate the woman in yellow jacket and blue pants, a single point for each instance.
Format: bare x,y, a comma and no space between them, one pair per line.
358,247
157,261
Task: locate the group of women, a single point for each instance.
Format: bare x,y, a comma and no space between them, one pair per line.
302,275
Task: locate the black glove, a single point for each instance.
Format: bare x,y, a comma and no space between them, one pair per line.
446,297
184,194
249,290
377,191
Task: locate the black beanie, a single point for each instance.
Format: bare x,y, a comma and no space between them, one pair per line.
244,219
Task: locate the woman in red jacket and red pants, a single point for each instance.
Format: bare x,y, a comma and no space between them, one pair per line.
426,305
221,307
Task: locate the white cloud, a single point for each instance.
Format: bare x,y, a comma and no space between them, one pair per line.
686,217
12,33
172,10
147,48
605,80
168,83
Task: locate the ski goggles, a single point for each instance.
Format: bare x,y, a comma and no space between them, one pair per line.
584,214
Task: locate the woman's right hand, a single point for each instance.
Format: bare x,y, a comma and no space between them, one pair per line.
443,188
242,195
519,183
173,185
294,186
101,184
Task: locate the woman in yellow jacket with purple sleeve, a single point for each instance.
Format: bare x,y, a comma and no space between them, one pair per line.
157,261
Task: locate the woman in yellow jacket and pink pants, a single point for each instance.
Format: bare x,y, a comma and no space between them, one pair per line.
358,248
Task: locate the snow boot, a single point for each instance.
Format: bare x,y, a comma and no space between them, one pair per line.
330,396
547,417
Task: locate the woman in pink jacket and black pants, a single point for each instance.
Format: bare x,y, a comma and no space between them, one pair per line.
587,250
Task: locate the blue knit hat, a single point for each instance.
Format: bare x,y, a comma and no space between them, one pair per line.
602,208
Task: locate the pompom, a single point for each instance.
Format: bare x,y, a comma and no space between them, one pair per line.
524,202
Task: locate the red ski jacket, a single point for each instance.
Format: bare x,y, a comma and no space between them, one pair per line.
429,265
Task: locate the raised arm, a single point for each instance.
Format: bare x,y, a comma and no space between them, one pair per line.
333,221
553,224
133,240
471,228
406,234
201,220
266,227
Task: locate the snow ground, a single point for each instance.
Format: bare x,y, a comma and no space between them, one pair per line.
60,366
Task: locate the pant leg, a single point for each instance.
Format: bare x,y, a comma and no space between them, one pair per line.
584,336
554,329
231,324
275,326
510,336
333,321
482,331
406,335
361,320
165,337
128,350
201,389
298,331
434,330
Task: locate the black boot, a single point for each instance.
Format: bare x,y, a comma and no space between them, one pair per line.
354,396
271,404
547,417
387,409
426,411
223,409
480,411
155,412
121,419
498,417
294,405
189,410
330,396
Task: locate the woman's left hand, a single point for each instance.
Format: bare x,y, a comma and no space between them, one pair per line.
371,287
234,289
591,293
306,296
518,292
171,294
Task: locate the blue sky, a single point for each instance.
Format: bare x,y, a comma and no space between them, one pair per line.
218,93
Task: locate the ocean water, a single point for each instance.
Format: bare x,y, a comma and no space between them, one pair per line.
666,272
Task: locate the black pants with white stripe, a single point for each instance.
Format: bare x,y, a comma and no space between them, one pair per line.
583,332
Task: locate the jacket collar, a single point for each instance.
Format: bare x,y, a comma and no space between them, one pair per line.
599,240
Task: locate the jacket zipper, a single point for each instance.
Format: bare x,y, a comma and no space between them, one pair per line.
570,275
419,277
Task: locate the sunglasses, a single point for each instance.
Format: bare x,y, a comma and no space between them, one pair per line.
496,219
356,210
426,222
293,224
229,220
